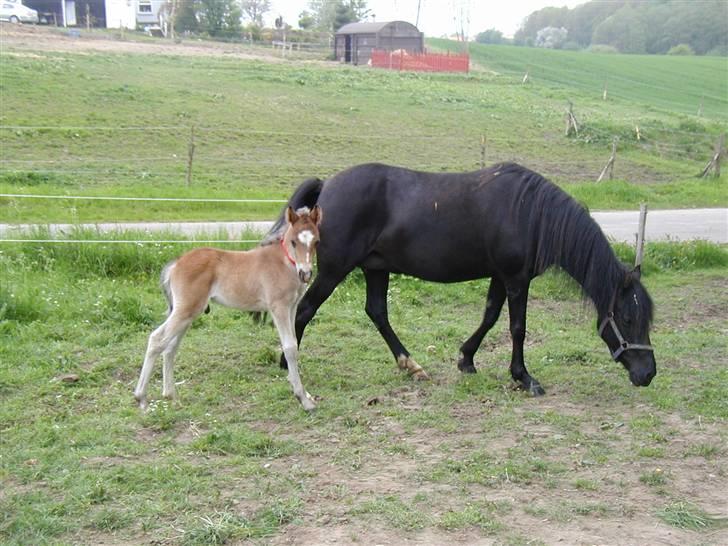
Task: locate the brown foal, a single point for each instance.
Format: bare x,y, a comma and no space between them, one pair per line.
269,278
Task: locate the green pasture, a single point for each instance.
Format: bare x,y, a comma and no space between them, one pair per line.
458,458
121,125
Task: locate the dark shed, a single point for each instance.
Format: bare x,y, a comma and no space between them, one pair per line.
354,42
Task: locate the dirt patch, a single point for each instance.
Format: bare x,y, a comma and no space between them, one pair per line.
17,38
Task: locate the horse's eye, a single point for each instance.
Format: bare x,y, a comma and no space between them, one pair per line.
293,243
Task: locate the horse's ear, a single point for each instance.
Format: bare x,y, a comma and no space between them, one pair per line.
628,279
637,272
291,215
316,215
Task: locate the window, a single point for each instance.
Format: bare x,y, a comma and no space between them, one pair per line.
145,6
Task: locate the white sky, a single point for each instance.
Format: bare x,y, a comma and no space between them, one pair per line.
439,17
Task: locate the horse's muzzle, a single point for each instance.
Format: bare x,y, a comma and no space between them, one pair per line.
305,276
642,379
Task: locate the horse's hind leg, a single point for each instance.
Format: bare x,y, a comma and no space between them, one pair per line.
493,306
155,346
517,302
376,308
168,388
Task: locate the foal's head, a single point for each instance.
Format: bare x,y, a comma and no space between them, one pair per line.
301,239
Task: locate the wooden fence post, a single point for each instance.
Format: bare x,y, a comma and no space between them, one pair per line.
610,164
571,121
190,155
639,251
483,143
714,163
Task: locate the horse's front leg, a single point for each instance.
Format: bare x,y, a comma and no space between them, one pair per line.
282,317
517,302
376,308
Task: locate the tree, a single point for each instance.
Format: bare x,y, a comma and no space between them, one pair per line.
546,17
490,36
551,37
333,14
623,30
305,20
219,17
254,10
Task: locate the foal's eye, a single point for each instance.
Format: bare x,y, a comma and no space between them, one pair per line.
293,243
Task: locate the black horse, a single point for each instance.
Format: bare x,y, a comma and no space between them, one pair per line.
505,222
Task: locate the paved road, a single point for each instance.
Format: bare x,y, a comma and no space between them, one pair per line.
662,225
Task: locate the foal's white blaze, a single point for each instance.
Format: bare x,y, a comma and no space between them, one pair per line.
306,237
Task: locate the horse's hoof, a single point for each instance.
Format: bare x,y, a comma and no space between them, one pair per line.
409,364
535,389
468,367
308,403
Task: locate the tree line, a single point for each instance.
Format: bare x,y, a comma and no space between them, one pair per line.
228,18
627,26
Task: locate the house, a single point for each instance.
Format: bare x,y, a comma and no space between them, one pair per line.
98,13
353,43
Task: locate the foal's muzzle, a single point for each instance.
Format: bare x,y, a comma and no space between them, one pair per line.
305,276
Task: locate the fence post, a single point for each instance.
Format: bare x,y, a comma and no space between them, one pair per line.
571,120
639,251
610,164
190,155
714,163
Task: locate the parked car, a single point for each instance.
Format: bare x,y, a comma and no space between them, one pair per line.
15,12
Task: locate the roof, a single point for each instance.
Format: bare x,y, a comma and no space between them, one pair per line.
367,28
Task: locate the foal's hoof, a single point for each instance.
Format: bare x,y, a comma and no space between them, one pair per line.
141,401
307,402
466,367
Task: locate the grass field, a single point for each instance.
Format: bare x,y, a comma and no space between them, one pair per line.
120,123
457,459
384,459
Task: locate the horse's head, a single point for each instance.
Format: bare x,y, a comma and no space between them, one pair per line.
626,329
301,239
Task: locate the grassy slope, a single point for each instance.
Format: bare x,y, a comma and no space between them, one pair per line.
120,125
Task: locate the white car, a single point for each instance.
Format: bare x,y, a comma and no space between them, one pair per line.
15,12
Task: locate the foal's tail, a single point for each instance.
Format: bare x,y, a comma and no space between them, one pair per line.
306,195
164,283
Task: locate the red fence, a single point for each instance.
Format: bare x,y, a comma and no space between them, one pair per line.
422,62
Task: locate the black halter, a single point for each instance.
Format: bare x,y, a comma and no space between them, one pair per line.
624,345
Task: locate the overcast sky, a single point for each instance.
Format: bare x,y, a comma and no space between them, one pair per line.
439,17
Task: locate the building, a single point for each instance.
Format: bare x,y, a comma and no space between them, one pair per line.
353,43
98,13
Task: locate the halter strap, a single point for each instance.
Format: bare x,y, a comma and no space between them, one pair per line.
624,345
285,251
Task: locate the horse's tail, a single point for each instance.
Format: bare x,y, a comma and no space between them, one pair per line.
305,195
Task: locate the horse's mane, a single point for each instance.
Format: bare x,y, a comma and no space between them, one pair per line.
302,200
566,236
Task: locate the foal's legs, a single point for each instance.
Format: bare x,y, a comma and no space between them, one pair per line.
282,319
164,339
493,306
376,308
517,300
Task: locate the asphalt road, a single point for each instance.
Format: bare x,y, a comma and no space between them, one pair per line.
662,225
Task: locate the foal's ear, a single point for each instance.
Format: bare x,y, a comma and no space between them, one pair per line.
316,215
291,215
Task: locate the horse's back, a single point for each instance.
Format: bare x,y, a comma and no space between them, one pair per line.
438,226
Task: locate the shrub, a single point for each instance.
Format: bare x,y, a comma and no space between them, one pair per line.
681,49
602,48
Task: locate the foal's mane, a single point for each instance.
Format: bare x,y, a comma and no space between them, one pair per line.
565,236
